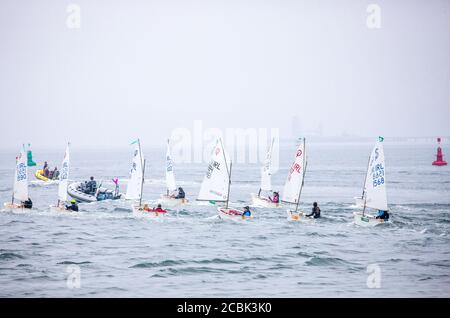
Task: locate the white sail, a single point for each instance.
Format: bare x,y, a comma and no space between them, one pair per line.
375,187
294,181
20,191
64,177
266,171
170,177
136,173
217,178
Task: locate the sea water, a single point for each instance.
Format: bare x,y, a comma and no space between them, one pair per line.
104,251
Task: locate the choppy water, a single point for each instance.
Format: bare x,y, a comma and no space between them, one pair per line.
191,253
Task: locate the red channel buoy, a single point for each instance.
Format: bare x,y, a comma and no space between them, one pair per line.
439,156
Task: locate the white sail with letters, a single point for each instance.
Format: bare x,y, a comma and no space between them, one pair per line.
134,186
215,185
375,187
20,191
170,177
64,177
294,181
266,171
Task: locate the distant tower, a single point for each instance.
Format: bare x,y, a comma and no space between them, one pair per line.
439,156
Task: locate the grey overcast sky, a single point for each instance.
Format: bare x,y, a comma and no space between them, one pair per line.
143,68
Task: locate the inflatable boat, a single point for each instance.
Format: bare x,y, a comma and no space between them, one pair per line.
75,190
39,174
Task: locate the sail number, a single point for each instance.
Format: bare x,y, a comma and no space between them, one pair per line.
21,172
65,171
212,165
378,175
296,167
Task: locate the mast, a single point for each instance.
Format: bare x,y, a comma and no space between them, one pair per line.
304,172
142,183
268,156
365,179
228,172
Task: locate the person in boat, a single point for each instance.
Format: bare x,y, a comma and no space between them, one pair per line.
55,174
27,204
181,194
247,212
159,209
91,186
73,206
276,198
45,165
46,172
315,213
384,215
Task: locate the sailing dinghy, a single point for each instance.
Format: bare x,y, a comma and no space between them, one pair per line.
169,199
266,183
294,183
20,188
136,185
63,184
215,187
374,193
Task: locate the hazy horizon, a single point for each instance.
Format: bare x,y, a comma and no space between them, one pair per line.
144,68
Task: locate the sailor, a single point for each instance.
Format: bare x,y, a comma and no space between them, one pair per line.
27,204
73,206
276,197
55,174
46,172
91,186
384,215
315,213
246,212
159,209
45,165
181,194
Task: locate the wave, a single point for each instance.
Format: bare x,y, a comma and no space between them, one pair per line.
325,261
73,263
10,256
158,264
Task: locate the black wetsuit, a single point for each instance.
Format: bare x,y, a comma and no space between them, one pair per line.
73,207
315,212
181,194
28,204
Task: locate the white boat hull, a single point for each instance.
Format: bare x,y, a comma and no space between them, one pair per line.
263,202
61,209
232,215
296,216
171,202
367,220
13,207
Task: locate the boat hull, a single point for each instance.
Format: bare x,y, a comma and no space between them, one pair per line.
367,220
13,207
232,214
170,201
139,211
263,202
74,191
296,216
39,174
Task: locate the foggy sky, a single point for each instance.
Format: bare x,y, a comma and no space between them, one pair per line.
143,68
